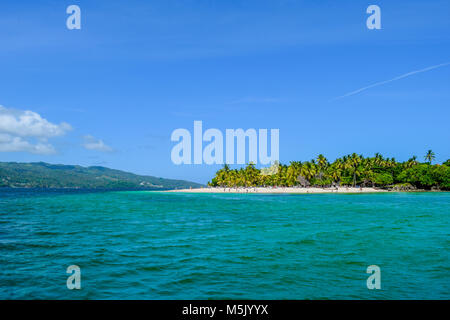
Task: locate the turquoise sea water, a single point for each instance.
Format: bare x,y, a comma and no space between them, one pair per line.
149,245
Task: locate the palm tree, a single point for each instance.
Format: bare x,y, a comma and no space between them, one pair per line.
411,162
430,156
231,179
222,175
240,178
293,172
322,162
352,163
335,172
340,163
378,160
251,175
367,170
308,170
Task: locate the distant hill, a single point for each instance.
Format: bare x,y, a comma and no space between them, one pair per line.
45,175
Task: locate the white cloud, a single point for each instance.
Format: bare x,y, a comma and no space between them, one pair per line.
9,143
27,131
29,124
92,143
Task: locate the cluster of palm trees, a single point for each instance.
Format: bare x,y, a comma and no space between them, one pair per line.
349,170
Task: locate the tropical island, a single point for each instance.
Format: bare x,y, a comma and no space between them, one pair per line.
350,173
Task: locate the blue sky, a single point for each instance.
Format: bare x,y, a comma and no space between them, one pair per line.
112,93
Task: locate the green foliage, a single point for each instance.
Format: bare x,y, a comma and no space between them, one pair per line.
419,176
383,179
347,180
441,174
44,175
350,170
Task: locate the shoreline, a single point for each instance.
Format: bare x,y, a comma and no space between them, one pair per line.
281,190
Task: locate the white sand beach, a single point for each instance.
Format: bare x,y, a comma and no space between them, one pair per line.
273,190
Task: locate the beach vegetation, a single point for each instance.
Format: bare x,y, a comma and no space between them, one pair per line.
350,170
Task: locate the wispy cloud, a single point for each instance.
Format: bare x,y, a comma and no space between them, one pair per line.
391,80
91,143
256,100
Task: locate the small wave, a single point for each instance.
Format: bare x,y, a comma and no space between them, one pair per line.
302,242
46,233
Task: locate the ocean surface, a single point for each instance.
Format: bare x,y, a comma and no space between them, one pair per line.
154,245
